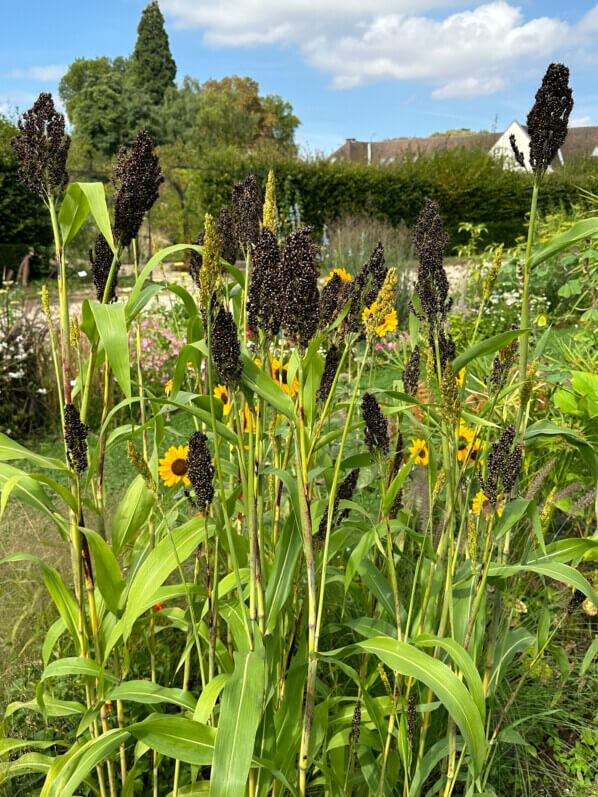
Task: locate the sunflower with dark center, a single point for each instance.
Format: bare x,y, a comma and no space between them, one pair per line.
173,466
282,378
419,449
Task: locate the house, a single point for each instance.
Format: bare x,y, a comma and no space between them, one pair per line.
579,141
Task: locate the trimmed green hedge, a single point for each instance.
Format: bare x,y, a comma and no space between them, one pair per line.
468,185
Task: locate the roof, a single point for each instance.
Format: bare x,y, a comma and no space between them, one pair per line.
579,141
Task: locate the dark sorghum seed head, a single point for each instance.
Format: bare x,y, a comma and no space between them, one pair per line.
226,232
549,117
353,291
376,270
299,287
430,241
330,300
411,717
247,210
516,151
510,475
344,493
228,245
346,489
263,299
411,372
75,437
226,349
446,344
100,258
137,178
196,260
397,504
355,723
577,599
376,425
503,465
200,470
42,147
329,372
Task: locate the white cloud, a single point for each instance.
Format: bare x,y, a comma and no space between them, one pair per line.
473,52
48,72
580,121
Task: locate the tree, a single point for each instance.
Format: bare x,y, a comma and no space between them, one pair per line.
154,66
105,105
23,220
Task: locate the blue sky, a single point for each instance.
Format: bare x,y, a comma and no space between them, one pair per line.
403,67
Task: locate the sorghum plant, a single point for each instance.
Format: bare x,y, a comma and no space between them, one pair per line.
334,565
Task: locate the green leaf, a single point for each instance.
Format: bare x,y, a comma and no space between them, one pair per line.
484,347
131,513
53,634
587,228
159,565
18,483
108,576
395,485
112,328
149,267
407,660
239,717
591,652
73,212
76,665
96,197
9,450
25,765
556,570
264,386
66,780
283,572
148,693
52,707
465,663
209,696
177,737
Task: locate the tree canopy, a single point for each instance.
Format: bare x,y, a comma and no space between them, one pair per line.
108,100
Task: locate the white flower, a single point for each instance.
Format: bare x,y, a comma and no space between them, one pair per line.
42,390
81,273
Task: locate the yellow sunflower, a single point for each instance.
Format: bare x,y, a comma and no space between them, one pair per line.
460,377
168,387
249,414
221,392
173,467
388,324
464,441
481,504
276,375
419,449
344,275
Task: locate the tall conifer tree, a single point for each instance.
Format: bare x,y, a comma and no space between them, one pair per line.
155,68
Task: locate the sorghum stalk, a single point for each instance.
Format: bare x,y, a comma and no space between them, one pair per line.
524,340
220,478
308,552
65,343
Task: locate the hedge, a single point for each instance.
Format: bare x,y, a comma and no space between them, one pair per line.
468,185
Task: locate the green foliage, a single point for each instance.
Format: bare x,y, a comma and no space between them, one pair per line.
467,185
105,106
23,221
329,629
153,65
